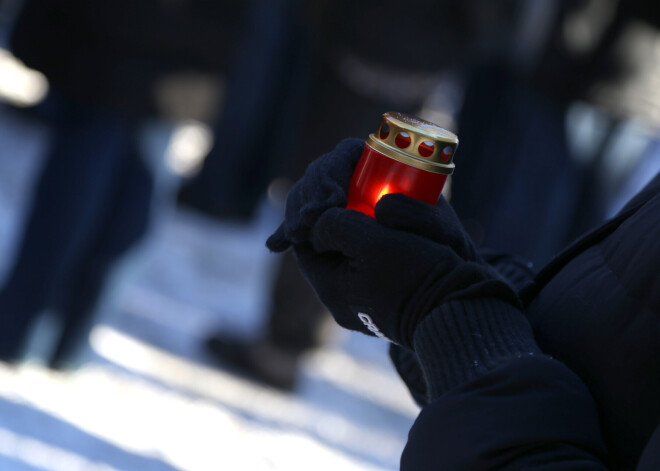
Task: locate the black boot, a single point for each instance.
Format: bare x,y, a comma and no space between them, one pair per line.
259,361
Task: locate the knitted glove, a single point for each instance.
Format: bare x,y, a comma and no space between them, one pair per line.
324,185
382,276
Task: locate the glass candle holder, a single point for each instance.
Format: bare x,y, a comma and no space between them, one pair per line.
406,155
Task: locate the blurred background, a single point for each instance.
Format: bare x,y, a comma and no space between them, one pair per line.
146,149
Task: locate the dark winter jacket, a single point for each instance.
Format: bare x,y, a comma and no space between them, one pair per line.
113,54
590,402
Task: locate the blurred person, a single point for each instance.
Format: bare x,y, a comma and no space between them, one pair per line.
256,130
567,127
106,64
260,116
512,369
90,205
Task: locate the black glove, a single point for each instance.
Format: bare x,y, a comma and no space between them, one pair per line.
324,185
383,276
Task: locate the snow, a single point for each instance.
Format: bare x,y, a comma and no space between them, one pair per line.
144,397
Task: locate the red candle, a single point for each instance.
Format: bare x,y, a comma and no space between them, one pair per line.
407,155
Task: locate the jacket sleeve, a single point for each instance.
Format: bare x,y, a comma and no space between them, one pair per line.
496,402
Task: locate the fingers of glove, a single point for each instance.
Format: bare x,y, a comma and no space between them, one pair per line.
325,273
438,223
324,185
345,157
327,179
347,231
314,266
277,242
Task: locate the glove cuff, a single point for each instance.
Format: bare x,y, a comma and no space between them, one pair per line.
462,340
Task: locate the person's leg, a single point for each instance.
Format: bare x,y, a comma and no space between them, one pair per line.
516,184
68,200
294,322
259,116
296,312
127,220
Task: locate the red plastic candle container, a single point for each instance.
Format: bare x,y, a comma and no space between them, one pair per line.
406,155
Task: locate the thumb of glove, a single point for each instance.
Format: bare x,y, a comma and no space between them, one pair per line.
438,223
278,241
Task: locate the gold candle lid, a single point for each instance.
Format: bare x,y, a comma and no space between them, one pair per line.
416,142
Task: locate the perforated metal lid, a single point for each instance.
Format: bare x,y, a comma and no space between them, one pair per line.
415,141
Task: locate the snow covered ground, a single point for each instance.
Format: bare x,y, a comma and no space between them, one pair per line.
146,398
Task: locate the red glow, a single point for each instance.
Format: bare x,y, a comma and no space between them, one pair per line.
385,191
426,148
402,140
384,131
377,175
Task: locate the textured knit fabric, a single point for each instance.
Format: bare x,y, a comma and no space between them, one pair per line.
462,340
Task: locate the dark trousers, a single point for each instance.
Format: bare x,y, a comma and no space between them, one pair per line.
90,204
296,313
261,113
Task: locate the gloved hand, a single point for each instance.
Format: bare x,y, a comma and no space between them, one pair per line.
382,276
324,185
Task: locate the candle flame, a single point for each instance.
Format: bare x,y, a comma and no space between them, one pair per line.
385,191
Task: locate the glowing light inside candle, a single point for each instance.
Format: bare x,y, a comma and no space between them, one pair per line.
385,191
426,148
